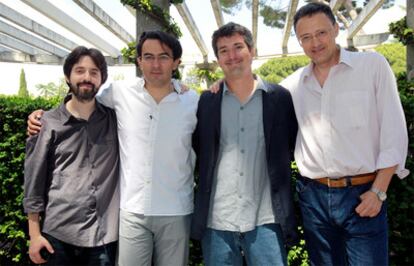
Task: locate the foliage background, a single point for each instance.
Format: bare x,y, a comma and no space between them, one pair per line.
13,229
14,111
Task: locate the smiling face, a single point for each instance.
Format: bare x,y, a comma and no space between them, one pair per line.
234,56
317,34
85,79
156,63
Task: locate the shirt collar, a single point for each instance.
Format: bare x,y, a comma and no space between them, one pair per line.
176,85
344,58
260,85
67,116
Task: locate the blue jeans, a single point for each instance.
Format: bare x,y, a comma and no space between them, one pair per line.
261,246
334,233
69,255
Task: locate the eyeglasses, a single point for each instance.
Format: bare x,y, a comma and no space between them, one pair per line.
149,58
320,35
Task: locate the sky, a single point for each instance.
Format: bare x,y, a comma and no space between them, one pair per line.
269,39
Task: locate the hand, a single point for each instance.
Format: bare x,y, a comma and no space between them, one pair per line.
177,84
370,205
184,88
33,123
36,244
216,86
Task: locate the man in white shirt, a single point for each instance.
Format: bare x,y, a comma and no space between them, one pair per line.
352,139
155,125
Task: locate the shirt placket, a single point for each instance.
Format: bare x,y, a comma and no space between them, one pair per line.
148,164
91,166
326,117
240,163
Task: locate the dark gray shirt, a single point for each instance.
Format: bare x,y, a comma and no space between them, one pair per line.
71,176
241,187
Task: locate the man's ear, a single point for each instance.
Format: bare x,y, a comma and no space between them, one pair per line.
138,62
336,29
177,62
253,51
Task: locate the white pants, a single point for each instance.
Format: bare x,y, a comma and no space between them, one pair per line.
163,239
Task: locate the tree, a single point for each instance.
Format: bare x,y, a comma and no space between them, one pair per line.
274,12
23,85
52,89
271,11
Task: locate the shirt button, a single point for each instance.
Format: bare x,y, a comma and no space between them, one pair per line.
241,174
242,129
241,108
242,151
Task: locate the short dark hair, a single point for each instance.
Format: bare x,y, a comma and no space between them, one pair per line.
230,29
165,38
80,51
312,9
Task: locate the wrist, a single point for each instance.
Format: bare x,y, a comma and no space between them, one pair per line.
382,195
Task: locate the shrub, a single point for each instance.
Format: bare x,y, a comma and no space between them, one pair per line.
275,70
13,228
400,202
395,53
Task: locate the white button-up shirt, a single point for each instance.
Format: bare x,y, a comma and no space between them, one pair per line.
156,157
352,125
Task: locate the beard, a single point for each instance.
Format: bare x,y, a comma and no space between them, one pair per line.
82,94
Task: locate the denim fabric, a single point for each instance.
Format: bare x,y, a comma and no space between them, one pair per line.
261,246
335,234
70,255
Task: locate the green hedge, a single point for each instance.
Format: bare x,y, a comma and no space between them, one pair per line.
13,228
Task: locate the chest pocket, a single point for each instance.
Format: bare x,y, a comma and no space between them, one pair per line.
351,109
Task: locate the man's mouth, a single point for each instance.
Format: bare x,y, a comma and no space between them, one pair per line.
86,85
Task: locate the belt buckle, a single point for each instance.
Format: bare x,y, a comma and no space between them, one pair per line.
340,182
329,181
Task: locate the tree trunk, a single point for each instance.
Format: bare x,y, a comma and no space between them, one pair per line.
410,46
146,22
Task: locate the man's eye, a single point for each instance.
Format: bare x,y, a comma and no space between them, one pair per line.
321,33
164,57
148,57
306,38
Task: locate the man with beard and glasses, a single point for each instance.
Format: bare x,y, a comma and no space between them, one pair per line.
71,172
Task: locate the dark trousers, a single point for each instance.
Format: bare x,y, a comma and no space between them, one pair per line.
69,255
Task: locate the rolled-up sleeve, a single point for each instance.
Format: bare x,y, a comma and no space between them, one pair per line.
393,130
35,170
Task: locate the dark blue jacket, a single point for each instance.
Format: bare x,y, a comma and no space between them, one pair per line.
280,129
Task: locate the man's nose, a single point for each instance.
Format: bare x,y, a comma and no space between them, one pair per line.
232,54
87,76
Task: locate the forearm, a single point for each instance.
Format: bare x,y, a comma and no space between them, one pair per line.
34,225
383,178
